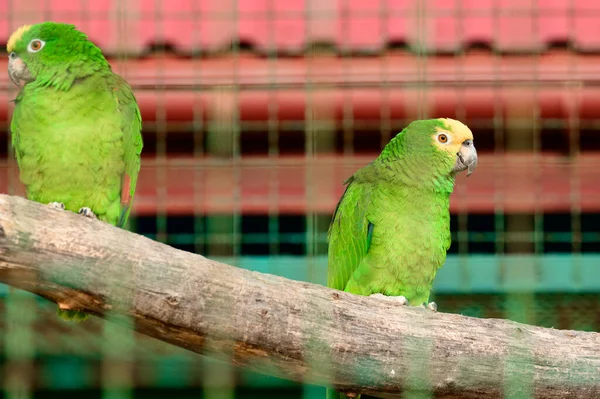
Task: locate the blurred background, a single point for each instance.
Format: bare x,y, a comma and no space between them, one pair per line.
256,111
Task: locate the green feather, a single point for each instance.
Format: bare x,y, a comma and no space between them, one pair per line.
369,235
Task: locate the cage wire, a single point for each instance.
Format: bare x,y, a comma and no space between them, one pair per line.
249,135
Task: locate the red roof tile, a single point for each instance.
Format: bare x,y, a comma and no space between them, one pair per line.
290,26
559,84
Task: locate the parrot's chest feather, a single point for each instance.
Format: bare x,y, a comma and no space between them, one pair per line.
69,147
409,244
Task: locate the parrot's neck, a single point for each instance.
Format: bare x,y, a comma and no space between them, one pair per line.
63,81
428,170
419,175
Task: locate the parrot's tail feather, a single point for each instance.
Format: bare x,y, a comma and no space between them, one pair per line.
332,394
72,315
123,218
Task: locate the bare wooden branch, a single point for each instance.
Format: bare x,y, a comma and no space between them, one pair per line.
290,329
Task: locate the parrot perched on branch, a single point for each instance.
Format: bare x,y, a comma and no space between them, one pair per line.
391,229
76,126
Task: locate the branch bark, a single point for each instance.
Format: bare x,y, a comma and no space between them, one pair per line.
295,330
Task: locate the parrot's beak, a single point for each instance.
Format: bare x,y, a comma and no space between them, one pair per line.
17,70
466,158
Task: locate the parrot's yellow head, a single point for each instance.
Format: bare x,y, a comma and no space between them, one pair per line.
456,139
433,149
451,135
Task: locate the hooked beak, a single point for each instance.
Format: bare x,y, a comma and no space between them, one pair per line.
466,158
17,70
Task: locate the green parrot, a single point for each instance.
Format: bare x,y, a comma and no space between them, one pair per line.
391,229
76,127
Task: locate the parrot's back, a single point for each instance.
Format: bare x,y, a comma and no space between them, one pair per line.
81,146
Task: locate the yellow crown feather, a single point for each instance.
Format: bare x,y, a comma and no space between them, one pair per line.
16,36
460,131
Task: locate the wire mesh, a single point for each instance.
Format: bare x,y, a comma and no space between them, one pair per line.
256,111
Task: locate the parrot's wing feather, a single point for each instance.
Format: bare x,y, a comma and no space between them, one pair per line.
370,229
14,130
132,142
349,234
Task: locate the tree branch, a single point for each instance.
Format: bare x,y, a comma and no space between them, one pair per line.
290,329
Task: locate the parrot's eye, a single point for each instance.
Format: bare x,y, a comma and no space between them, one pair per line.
35,45
442,138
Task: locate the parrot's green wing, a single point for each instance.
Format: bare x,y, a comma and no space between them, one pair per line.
14,130
347,249
132,141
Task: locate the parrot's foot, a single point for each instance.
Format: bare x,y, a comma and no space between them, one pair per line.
72,315
398,299
66,312
431,306
57,205
87,212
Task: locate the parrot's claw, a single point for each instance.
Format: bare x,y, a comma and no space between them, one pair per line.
57,205
431,306
87,212
398,299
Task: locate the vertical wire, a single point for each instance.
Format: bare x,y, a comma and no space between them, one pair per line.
499,148
234,125
309,148
19,345
518,380
317,131
464,236
417,381
575,165
201,168
311,143
385,113
538,158
321,127
348,98
219,377
529,301
350,153
236,137
499,155
273,133
117,340
312,122
20,307
422,59
11,167
198,128
161,158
